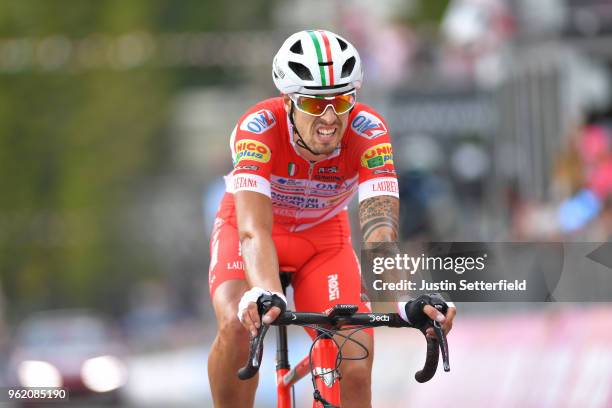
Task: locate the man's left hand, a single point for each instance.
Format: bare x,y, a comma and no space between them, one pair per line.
445,321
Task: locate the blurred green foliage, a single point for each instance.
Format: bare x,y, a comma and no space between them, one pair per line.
73,145
430,11
424,14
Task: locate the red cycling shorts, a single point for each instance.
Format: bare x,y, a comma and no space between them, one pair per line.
326,269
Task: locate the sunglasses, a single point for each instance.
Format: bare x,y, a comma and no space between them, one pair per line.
317,105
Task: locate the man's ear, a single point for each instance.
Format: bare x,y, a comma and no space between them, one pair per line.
287,103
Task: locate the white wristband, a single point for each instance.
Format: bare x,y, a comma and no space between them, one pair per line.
251,296
401,310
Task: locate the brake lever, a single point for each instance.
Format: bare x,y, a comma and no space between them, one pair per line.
255,354
443,345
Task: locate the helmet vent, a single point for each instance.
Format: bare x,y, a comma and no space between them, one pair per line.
301,71
347,67
297,48
343,45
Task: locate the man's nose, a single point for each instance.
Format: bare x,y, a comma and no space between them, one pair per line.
329,115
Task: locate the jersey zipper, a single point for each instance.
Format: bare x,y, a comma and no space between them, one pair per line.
307,191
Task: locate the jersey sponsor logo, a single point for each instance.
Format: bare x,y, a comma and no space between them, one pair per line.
332,169
249,149
289,182
258,122
282,189
324,177
235,265
385,186
384,171
327,193
322,186
297,201
377,156
313,187
247,167
244,182
367,125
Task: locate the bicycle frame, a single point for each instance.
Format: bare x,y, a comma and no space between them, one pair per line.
324,360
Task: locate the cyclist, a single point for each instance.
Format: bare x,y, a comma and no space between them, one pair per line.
298,161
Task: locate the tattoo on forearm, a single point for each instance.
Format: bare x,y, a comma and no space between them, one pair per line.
377,212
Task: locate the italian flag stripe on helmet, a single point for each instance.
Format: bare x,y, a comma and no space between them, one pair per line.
330,67
317,45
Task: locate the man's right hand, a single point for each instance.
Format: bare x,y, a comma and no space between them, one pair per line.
248,310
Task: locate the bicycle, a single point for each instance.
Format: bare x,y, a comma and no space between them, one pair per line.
325,354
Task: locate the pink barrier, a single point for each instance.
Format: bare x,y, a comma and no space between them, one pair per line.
554,358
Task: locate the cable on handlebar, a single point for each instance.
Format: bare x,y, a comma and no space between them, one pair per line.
349,338
330,333
316,393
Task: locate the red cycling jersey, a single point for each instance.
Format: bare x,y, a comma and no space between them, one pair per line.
305,193
311,230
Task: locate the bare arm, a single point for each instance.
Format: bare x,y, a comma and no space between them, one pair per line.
254,216
379,219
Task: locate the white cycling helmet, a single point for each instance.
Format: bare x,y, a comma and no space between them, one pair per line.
316,62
